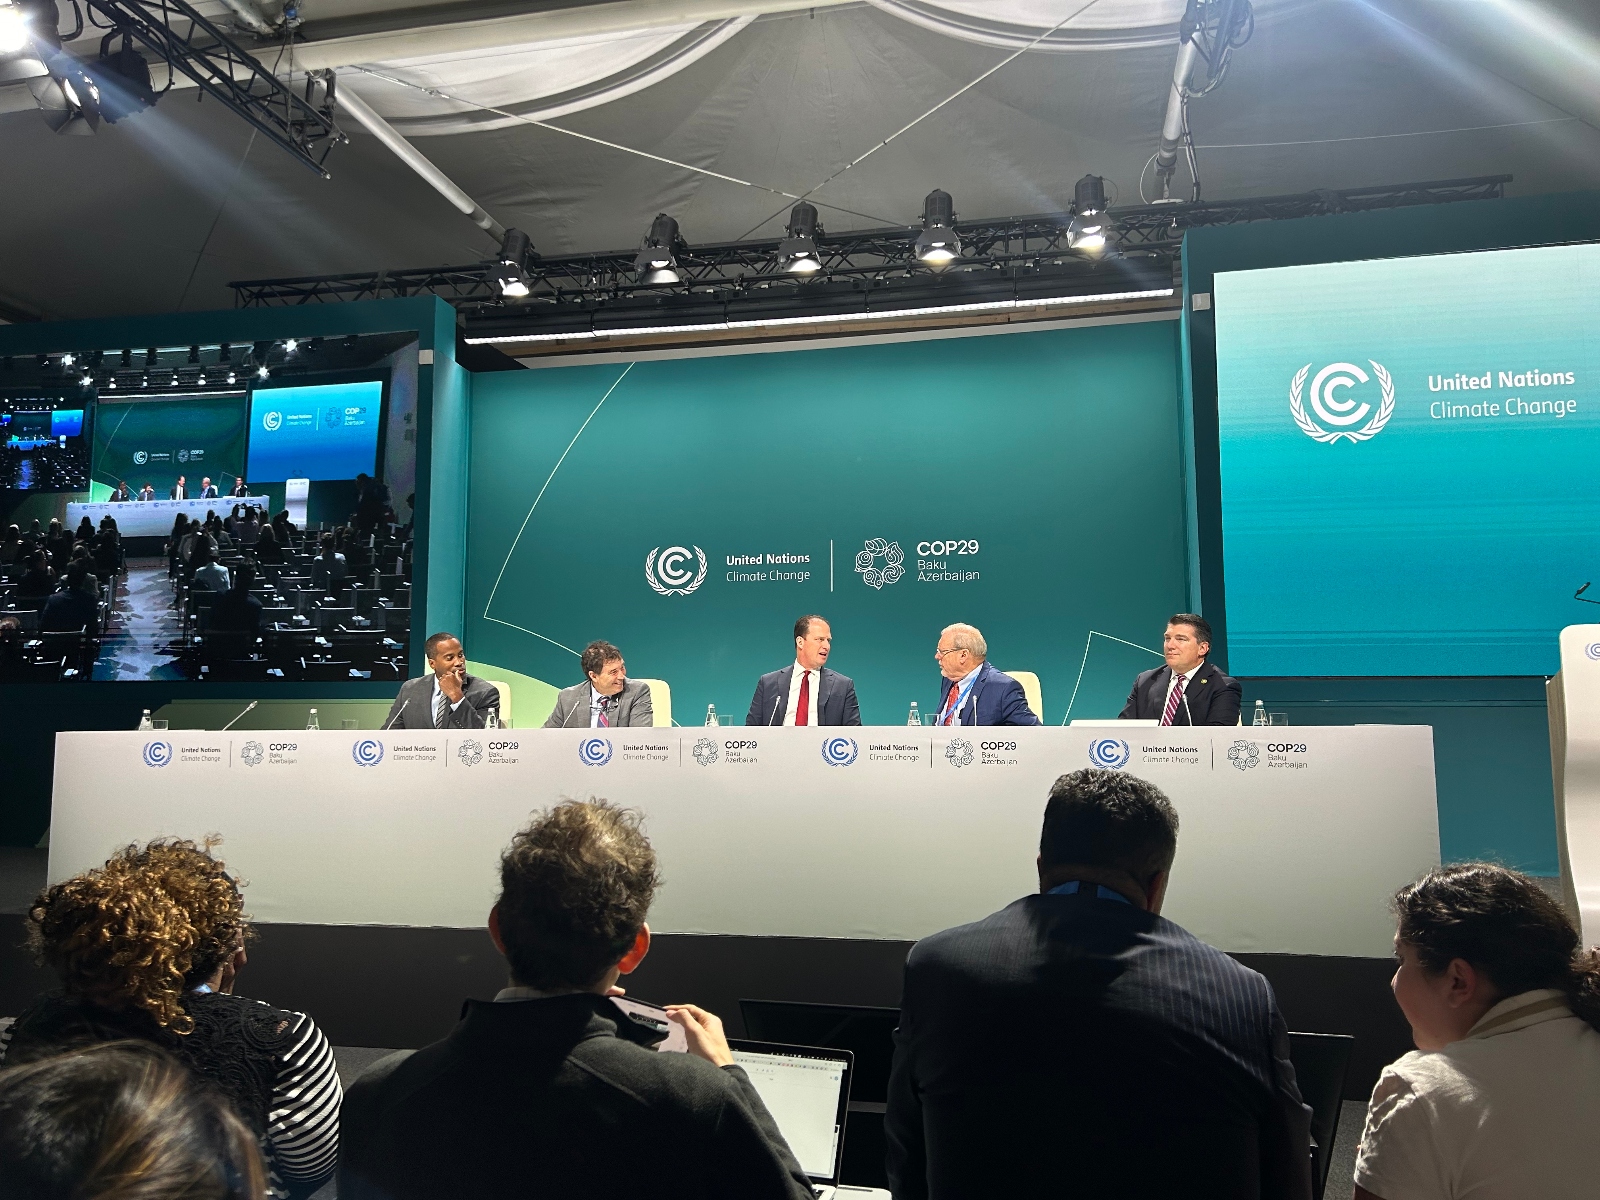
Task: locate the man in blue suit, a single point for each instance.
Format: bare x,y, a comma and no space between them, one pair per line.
806,692
973,692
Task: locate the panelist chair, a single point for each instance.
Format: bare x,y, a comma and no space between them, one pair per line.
660,701
1320,1062
1031,689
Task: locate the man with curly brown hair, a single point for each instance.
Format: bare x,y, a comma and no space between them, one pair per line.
552,1090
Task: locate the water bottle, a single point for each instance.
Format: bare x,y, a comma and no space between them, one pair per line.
144,721
1261,714
311,720
711,714
915,718
493,719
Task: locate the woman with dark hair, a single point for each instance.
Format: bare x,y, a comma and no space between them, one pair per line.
121,1119
267,548
148,946
180,530
1501,1100
38,581
85,530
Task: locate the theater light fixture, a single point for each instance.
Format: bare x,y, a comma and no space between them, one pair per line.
123,77
290,345
68,99
511,272
937,245
1088,230
19,58
14,32
67,360
797,253
657,261
262,372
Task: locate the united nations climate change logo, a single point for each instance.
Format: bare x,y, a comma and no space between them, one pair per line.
1592,651
368,752
705,752
140,457
839,751
1338,412
272,421
1110,753
470,752
252,754
157,754
594,752
958,752
1244,755
867,567
668,571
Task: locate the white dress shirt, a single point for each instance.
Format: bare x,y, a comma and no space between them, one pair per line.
596,700
797,671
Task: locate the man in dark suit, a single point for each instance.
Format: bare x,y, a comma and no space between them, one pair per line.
148,491
806,692
208,490
1188,690
240,487
607,699
122,495
178,491
447,698
1077,1043
973,692
551,1089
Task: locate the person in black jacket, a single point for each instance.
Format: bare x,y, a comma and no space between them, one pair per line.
1076,1043
1189,690
551,1089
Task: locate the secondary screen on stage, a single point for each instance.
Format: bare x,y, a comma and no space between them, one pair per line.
326,431
42,444
155,439
1407,461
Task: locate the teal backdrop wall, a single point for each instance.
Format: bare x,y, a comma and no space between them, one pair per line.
1040,473
1491,736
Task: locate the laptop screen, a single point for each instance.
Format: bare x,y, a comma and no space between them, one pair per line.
806,1090
868,1033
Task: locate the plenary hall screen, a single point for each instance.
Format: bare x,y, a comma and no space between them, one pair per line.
1409,453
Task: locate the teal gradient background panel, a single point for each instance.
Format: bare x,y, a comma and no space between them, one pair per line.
1057,452
1442,545
168,433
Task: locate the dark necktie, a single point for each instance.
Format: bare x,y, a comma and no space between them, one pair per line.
802,709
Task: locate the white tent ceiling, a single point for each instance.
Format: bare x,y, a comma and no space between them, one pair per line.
159,211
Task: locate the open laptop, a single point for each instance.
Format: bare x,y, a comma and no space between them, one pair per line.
807,1091
867,1032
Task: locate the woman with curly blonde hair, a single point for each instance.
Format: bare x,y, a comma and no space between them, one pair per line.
148,946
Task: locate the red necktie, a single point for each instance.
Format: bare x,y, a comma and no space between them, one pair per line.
802,708
950,711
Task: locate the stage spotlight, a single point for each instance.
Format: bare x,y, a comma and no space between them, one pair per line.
290,345
658,261
68,99
232,378
87,380
67,360
1088,231
19,58
123,78
937,245
797,253
510,274
262,372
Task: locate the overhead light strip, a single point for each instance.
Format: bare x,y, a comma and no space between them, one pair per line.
820,319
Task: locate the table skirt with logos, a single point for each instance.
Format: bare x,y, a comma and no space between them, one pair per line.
153,518
1291,840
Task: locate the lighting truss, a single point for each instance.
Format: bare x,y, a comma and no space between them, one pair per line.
1145,236
176,34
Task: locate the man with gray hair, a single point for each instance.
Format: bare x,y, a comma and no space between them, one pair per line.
973,692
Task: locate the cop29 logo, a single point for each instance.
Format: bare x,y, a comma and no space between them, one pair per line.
594,752
874,576
1244,755
470,752
252,754
669,573
368,752
157,754
839,751
958,752
1109,753
1337,411
705,752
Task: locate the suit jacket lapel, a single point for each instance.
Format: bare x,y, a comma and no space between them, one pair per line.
1159,686
822,695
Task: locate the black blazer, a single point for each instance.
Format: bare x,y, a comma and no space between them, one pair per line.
836,704
1072,1045
414,705
1213,697
561,1098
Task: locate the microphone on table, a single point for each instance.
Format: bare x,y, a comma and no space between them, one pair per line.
399,712
240,717
1186,707
776,700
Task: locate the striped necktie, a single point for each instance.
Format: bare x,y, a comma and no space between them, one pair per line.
1173,701
439,705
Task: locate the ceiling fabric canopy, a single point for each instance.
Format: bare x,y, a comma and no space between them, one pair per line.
538,82
722,117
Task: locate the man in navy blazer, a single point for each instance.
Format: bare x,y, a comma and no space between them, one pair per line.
1078,1043
806,692
1188,690
973,692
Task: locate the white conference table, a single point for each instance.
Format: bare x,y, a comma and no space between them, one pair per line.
1289,845
153,518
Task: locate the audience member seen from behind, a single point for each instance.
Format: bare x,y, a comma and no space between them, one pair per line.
236,610
268,548
1501,1099
123,1119
76,606
551,1090
328,568
209,574
1078,1042
149,946
39,580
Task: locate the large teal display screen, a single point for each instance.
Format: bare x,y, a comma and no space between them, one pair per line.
1408,461
689,509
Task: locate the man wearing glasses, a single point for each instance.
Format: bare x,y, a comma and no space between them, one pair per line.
973,692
